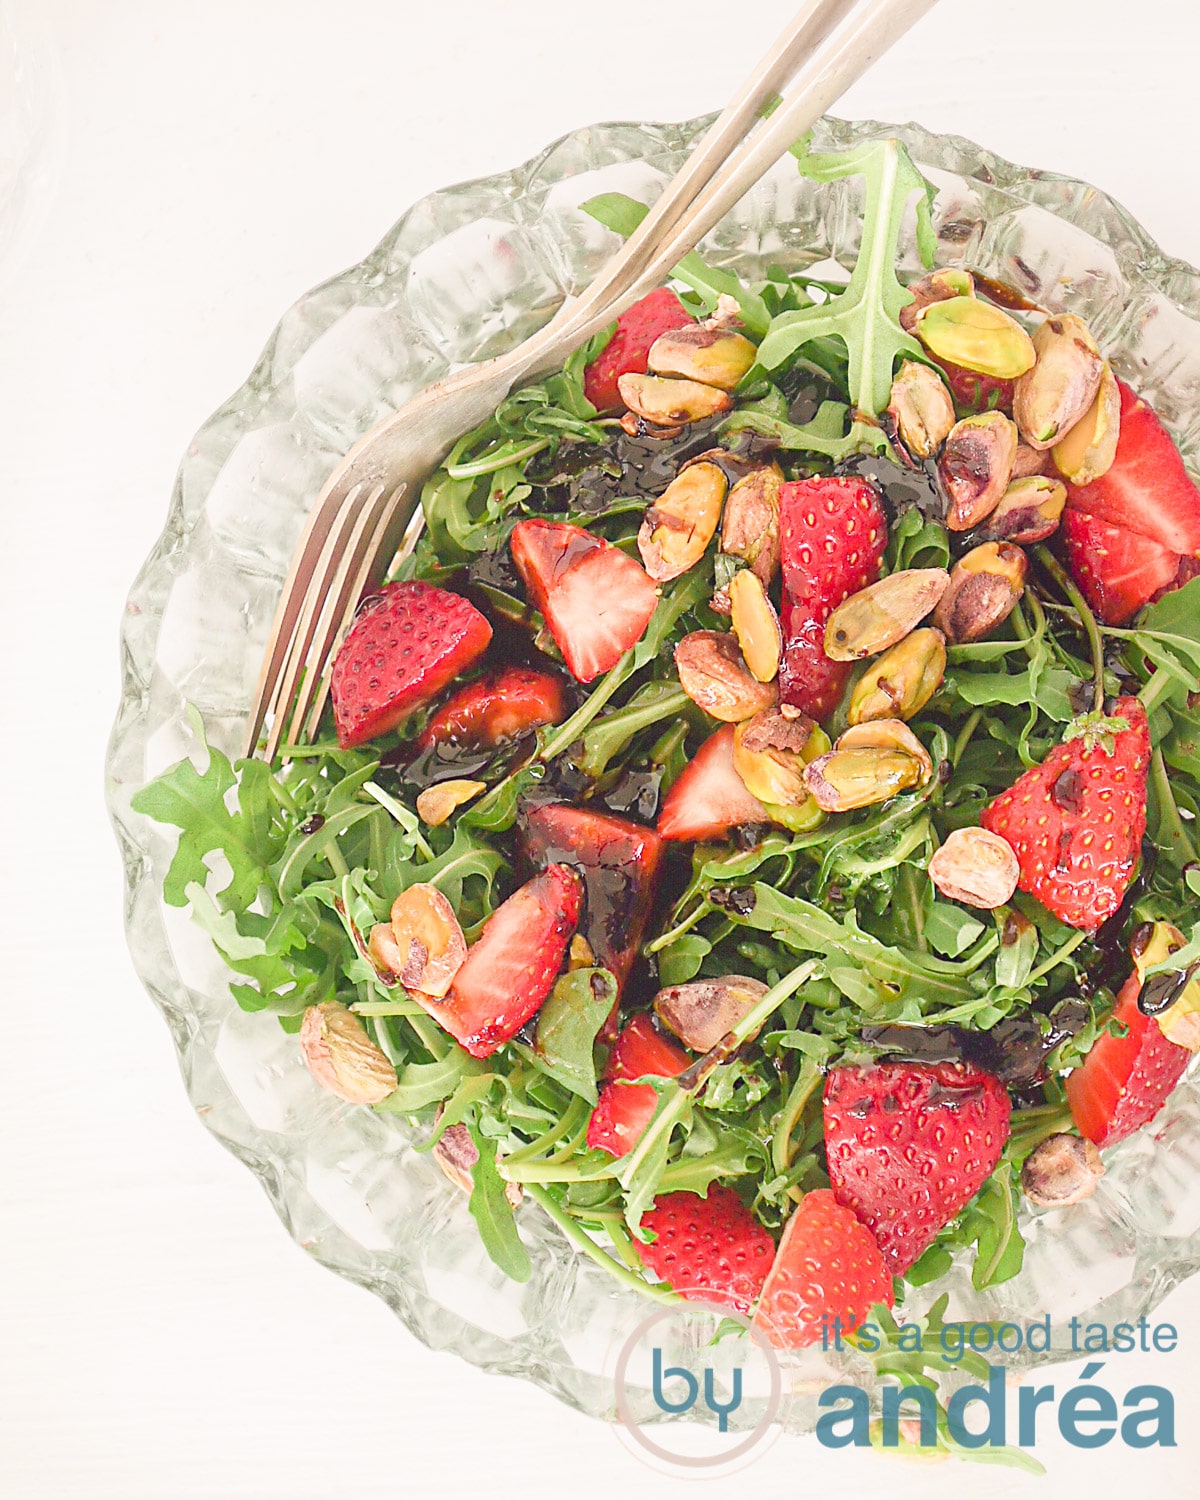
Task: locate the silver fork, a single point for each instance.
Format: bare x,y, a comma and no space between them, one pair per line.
370,500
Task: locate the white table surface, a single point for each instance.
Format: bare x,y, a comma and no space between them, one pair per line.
160,1335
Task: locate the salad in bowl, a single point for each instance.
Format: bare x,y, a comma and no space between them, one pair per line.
754,826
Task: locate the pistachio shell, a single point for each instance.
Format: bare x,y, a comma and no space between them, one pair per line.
702,1012
714,676
341,1056
883,613
922,408
976,336
1088,450
713,356
755,624
1051,398
1029,512
682,521
976,466
902,681
977,867
846,779
750,524
437,802
984,587
671,403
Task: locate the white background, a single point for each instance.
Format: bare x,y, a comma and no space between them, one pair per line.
160,1335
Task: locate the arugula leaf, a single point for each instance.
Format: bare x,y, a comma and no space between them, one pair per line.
865,317
493,1213
568,1024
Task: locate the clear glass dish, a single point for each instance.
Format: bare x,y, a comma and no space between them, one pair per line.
467,273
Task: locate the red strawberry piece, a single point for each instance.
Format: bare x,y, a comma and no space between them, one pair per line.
626,352
709,799
909,1145
1076,821
625,1109
406,644
1124,1080
511,967
828,1266
833,534
708,1249
498,707
619,862
1147,489
1119,570
596,600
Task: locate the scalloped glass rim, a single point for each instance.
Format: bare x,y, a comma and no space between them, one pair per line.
466,273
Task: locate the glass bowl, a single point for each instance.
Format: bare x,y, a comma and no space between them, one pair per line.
467,273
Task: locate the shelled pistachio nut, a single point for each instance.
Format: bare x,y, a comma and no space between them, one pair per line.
456,1154
1088,450
750,523
1061,1170
902,681
883,613
702,1012
937,286
976,467
1179,1020
770,753
1029,512
1029,461
887,734
341,1056
1050,399
985,586
846,779
977,867
715,677
422,946
921,407
713,356
436,803
671,403
976,336
755,624
682,521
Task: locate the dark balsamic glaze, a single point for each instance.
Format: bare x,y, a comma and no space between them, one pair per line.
901,487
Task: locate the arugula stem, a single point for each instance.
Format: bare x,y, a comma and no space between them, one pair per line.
1157,688
1086,618
568,1123
807,1080
1169,821
588,1245
552,1171
964,736
1059,956
500,458
337,861
664,940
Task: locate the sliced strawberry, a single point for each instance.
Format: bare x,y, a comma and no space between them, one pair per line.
909,1145
511,967
1076,821
1124,1080
1147,489
619,862
828,1266
498,707
709,799
625,353
625,1109
1119,570
595,599
709,1249
406,644
833,535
